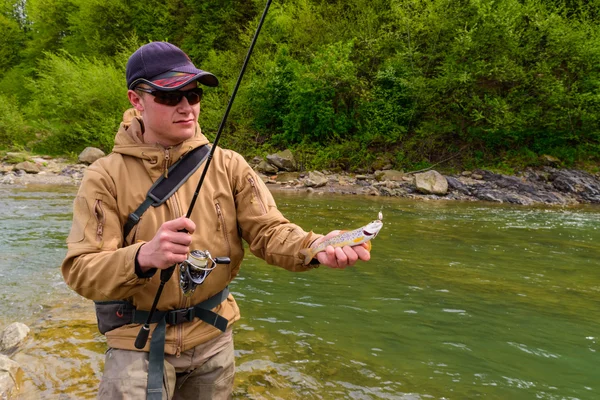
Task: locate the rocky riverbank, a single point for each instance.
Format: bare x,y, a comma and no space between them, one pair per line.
548,185
11,374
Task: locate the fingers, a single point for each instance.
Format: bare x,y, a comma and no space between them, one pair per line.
180,224
169,246
362,252
342,257
182,238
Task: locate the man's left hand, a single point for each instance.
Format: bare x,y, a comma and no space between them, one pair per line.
341,257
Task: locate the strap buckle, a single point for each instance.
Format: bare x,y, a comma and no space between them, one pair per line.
176,317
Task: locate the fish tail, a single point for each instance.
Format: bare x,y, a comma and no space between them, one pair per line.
308,255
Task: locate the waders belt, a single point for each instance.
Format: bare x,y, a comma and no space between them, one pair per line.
156,356
164,188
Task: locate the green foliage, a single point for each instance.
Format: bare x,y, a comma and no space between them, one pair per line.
13,129
14,82
77,102
387,113
478,82
12,39
49,26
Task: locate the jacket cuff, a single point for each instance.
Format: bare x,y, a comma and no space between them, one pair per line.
138,269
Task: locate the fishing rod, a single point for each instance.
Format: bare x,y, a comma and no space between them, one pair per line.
165,274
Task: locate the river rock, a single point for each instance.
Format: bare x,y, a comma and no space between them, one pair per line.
431,182
550,160
90,154
584,185
266,168
13,335
283,160
285,177
27,167
455,184
10,377
315,179
389,175
16,157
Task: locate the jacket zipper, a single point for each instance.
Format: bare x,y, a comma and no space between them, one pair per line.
222,224
257,195
167,159
100,219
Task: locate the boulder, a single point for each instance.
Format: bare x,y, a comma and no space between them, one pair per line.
457,185
431,182
10,377
389,175
283,160
13,335
27,167
582,184
15,157
285,177
550,160
255,161
266,168
315,179
90,154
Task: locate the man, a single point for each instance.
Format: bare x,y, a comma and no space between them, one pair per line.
104,264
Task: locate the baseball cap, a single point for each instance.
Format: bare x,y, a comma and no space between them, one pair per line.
164,66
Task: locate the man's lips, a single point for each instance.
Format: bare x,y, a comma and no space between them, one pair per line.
187,121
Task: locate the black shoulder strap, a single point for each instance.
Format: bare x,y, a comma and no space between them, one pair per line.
164,188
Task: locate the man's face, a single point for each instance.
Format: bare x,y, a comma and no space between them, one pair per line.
164,124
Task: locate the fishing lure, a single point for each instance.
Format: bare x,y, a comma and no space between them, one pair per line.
348,238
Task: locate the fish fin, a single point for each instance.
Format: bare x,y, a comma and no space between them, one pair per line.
307,254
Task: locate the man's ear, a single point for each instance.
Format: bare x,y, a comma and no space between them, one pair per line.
136,100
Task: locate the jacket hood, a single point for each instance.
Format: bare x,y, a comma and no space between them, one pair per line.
130,140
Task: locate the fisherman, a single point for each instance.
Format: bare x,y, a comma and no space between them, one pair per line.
105,264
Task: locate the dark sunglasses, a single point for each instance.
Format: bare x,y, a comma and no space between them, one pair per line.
173,98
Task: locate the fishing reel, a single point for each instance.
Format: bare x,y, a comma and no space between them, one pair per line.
195,270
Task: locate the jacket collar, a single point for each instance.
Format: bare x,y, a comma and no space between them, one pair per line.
130,141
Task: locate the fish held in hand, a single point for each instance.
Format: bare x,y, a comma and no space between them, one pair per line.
348,238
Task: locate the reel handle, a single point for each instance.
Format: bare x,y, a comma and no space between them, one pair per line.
222,260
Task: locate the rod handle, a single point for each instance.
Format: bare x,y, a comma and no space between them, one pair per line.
142,337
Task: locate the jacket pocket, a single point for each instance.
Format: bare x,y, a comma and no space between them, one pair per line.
222,227
257,201
100,219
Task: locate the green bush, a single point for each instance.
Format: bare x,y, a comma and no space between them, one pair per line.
13,128
477,82
76,102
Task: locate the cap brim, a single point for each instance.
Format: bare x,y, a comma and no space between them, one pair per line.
176,80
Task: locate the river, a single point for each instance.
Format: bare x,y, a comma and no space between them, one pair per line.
459,301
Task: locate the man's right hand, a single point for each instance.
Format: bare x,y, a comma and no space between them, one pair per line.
169,246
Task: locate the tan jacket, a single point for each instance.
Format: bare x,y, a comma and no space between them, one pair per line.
232,204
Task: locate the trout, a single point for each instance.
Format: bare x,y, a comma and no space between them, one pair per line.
346,238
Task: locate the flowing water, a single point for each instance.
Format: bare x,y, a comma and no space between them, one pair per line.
459,301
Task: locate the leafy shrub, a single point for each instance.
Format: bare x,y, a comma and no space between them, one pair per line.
76,102
13,129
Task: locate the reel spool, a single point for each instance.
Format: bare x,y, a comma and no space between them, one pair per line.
195,270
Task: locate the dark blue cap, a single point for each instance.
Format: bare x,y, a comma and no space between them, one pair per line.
164,66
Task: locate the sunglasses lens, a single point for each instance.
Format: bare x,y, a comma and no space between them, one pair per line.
193,97
173,98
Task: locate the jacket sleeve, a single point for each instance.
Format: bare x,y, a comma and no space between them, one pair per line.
96,265
269,234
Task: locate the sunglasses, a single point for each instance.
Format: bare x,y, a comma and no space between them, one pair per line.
173,98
